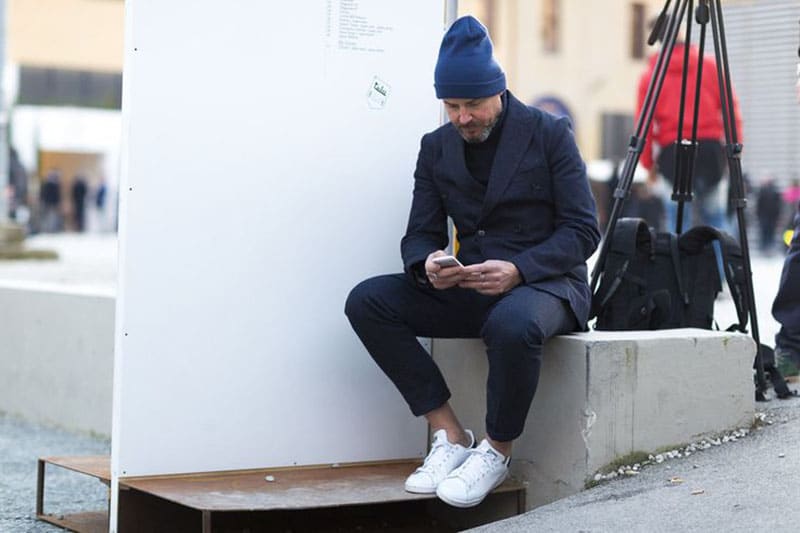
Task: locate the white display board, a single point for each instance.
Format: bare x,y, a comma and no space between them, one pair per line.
268,156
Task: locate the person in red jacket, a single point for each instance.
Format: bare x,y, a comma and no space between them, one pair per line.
710,160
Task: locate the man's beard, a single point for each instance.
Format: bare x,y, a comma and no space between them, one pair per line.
482,135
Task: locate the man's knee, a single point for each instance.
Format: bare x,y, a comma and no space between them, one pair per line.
507,330
363,300
357,304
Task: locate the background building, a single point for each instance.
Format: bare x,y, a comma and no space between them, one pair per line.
763,41
63,81
587,58
586,55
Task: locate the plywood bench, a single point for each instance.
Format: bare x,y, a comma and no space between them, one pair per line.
332,497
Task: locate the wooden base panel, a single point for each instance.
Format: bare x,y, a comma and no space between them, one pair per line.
91,522
327,498
145,512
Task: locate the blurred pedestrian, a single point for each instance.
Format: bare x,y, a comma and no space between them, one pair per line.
98,215
768,212
79,189
791,197
50,202
100,196
650,206
791,194
18,181
644,201
659,150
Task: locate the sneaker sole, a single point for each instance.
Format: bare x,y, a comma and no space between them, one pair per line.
420,490
469,503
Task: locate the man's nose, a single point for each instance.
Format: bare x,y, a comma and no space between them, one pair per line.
464,116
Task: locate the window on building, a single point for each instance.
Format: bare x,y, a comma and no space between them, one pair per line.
61,87
638,30
551,25
616,129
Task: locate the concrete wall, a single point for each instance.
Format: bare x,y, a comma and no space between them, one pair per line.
56,355
604,395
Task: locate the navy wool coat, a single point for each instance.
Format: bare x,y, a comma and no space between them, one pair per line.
786,307
537,211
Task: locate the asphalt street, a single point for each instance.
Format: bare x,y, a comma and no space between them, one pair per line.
751,484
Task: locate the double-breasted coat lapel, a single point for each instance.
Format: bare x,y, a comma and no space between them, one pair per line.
514,142
453,157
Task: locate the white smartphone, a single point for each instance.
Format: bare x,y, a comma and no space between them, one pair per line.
447,261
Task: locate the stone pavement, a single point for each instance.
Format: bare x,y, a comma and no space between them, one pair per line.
21,444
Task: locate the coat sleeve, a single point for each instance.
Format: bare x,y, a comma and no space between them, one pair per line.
427,222
575,235
786,307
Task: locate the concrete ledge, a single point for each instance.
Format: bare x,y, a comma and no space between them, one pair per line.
604,395
57,356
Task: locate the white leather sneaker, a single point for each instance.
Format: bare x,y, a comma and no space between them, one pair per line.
443,458
468,485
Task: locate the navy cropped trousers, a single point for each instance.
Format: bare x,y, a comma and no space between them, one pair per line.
389,312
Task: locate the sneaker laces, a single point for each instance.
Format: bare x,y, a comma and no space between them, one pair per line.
437,458
472,474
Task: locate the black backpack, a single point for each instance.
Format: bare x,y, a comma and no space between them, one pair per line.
661,280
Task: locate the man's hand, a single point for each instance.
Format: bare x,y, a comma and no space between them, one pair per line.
491,277
442,277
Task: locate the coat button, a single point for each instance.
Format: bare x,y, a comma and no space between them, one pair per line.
481,233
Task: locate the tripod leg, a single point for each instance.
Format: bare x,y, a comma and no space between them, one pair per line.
685,152
734,150
637,141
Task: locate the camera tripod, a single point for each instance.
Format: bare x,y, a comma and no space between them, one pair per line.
686,149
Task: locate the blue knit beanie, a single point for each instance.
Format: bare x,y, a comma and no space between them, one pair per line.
466,68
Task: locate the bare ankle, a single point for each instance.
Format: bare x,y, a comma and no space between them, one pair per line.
502,447
455,436
464,439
